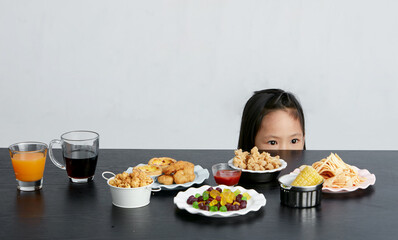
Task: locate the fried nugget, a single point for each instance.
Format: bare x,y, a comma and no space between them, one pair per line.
184,175
180,165
165,179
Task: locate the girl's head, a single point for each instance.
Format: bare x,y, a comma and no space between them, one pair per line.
272,119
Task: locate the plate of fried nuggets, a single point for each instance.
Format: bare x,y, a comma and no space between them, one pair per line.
180,175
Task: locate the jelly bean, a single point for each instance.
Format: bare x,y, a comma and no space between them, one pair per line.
191,199
212,203
205,195
213,209
247,195
230,198
201,205
214,193
223,209
243,204
239,197
223,201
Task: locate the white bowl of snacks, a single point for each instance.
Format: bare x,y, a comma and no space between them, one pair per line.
257,167
130,190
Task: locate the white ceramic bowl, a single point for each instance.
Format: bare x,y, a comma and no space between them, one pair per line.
130,197
252,176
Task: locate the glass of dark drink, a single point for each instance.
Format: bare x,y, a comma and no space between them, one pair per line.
80,154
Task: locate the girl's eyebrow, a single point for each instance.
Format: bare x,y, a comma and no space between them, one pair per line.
296,135
276,137
272,136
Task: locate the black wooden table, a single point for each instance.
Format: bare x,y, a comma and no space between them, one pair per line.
63,210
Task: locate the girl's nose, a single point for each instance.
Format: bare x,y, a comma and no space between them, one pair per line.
283,146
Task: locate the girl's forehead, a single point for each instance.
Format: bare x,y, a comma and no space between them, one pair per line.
284,111
281,114
281,122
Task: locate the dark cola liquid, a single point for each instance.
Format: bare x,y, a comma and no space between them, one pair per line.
81,164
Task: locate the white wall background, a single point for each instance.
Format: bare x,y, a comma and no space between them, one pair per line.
177,73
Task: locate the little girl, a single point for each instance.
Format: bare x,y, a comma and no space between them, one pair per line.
272,120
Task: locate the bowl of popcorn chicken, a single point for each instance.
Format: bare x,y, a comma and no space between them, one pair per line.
130,190
257,167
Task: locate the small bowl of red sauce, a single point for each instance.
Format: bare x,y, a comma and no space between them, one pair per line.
226,175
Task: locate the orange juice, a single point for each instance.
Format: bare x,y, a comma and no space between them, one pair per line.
29,166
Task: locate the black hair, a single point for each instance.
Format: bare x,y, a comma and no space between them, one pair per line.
259,105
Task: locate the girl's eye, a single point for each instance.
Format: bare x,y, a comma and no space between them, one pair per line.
272,142
294,141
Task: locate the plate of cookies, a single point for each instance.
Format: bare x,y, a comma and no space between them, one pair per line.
170,174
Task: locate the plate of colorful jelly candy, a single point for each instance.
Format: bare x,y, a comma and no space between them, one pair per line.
220,201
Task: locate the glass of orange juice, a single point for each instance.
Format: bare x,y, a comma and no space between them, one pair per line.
28,160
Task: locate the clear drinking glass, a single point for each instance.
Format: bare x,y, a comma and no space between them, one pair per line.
28,160
80,154
225,174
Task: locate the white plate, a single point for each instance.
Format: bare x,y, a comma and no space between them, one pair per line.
256,201
283,166
201,174
370,180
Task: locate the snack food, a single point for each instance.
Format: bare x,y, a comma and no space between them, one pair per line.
219,200
307,177
166,179
255,161
177,166
161,161
181,172
337,173
135,179
150,170
184,176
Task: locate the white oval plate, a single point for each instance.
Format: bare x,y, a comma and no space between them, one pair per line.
256,201
201,174
284,165
370,180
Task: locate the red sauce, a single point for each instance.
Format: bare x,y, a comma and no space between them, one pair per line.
227,177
